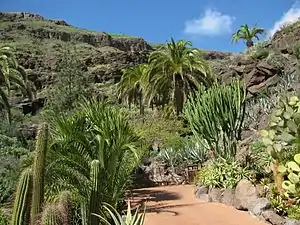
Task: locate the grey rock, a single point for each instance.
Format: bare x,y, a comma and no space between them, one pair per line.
215,195
289,221
259,205
245,193
202,194
204,198
273,218
228,197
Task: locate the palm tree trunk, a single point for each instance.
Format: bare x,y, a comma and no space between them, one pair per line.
142,109
178,94
249,43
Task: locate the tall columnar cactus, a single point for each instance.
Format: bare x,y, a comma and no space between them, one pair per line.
23,197
95,192
65,204
38,172
52,215
284,129
292,184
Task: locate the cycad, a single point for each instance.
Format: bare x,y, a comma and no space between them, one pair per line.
97,134
179,67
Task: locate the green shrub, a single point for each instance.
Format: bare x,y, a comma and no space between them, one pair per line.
258,51
222,174
11,156
216,115
4,219
191,152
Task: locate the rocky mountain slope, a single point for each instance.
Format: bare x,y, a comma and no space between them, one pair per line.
40,42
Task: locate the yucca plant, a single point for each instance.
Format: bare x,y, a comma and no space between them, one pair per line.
128,219
216,115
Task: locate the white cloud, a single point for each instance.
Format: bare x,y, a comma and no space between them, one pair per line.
288,17
212,23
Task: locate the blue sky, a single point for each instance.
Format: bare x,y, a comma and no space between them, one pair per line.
209,24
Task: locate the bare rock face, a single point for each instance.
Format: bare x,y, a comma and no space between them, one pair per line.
285,39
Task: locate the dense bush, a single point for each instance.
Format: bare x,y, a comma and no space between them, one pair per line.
222,173
258,51
11,155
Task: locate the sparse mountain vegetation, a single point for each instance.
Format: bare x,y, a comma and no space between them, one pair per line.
92,116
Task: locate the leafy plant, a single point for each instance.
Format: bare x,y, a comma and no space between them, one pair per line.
128,219
258,51
216,115
4,220
222,174
292,184
283,134
96,133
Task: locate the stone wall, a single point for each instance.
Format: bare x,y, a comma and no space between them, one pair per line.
246,197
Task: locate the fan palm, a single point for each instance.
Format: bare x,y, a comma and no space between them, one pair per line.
246,33
132,84
96,132
178,67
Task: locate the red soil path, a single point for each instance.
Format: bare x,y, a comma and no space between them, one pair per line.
177,205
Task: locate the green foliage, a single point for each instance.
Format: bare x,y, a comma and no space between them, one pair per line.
23,198
190,152
292,183
70,84
247,34
179,68
39,172
128,219
95,131
11,156
4,220
284,132
258,51
155,128
52,215
217,115
222,173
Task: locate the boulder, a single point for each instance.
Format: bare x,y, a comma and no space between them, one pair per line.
245,193
259,205
215,194
272,217
202,193
228,197
289,221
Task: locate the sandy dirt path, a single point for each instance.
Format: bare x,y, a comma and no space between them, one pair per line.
177,205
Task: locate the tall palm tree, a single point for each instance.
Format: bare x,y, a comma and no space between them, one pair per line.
246,33
179,67
133,83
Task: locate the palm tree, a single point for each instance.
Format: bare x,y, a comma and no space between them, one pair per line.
133,83
180,68
96,131
246,33
12,75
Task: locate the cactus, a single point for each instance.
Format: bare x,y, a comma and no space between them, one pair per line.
52,215
65,201
38,172
22,201
95,198
292,168
284,127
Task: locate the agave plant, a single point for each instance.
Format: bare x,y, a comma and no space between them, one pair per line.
128,219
